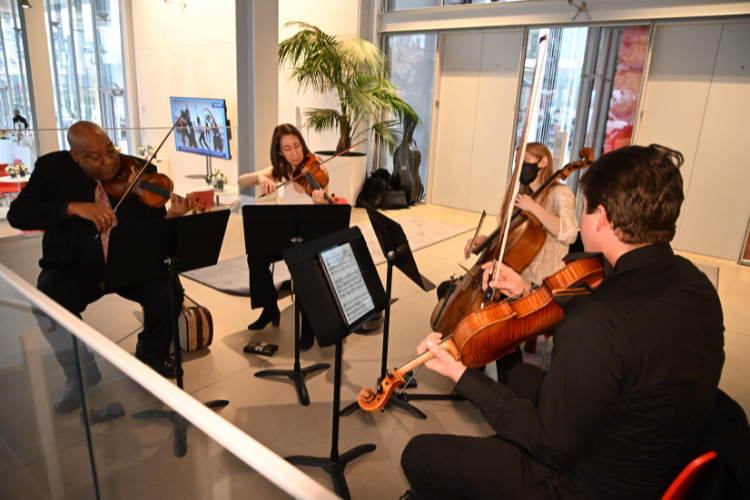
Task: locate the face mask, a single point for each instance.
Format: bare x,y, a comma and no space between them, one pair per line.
529,171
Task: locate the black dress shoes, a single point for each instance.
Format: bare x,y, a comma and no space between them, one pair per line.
165,367
70,398
269,315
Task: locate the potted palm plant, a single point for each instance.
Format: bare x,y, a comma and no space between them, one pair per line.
356,71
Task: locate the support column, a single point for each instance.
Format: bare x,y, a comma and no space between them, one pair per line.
257,85
39,76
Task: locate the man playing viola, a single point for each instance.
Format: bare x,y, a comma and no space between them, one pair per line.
635,370
65,198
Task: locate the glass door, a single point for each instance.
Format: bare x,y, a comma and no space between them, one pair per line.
590,90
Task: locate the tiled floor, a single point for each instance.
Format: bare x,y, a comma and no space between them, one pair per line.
134,457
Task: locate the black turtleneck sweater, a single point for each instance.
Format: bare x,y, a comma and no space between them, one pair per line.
635,369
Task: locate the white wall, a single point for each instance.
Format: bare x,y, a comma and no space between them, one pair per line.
696,100
189,53
336,17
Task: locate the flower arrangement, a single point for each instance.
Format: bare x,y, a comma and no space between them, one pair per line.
217,179
23,168
12,170
146,150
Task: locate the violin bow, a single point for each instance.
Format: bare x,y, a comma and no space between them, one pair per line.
305,170
516,178
476,234
150,159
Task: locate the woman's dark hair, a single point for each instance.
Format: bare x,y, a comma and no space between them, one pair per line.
641,190
281,167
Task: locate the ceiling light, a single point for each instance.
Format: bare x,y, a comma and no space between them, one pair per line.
25,4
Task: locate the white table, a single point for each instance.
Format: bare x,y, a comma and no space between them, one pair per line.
14,180
227,191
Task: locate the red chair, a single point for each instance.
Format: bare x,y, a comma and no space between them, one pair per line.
681,486
6,189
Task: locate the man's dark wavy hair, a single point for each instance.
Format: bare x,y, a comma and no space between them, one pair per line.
641,190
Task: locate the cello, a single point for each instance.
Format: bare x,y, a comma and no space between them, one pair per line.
525,239
464,295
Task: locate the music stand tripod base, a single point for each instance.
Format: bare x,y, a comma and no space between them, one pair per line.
298,374
335,464
179,422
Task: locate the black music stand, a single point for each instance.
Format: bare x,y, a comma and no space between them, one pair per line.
272,229
331,326
395,248
158,250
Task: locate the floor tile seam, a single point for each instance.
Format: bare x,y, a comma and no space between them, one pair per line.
742,334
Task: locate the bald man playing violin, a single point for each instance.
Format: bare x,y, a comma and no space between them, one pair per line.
65,198
635,370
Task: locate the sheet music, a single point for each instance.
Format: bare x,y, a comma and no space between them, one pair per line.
348,283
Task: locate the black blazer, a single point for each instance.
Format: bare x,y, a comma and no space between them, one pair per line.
58,180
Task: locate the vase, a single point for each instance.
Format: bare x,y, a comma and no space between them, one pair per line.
219,185
13,174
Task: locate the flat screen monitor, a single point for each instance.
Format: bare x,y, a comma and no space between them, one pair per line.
203,129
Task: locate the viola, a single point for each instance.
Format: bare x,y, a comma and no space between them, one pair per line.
494,331
131,179
153,190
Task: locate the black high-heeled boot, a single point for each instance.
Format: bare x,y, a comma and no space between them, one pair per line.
269,315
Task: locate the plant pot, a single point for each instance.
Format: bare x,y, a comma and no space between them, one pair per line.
347,174
219,185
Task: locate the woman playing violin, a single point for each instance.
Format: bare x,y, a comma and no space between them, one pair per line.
288,153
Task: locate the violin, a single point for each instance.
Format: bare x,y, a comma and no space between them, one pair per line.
311,165
310,177
131,179
494,331
153,190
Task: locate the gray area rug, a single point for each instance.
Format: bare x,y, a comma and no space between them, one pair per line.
232,276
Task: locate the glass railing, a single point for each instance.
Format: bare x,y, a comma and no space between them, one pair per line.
97,442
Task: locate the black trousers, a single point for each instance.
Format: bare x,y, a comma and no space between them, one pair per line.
505,364
75,286
262,290
446,467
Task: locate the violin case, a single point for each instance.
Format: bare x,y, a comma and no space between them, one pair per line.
196,326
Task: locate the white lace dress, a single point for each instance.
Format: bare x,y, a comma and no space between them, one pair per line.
559,202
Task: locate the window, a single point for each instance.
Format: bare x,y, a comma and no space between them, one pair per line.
590,89
14,89
86,54
412,69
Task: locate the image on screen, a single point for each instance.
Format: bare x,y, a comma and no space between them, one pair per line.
203,128
349,286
